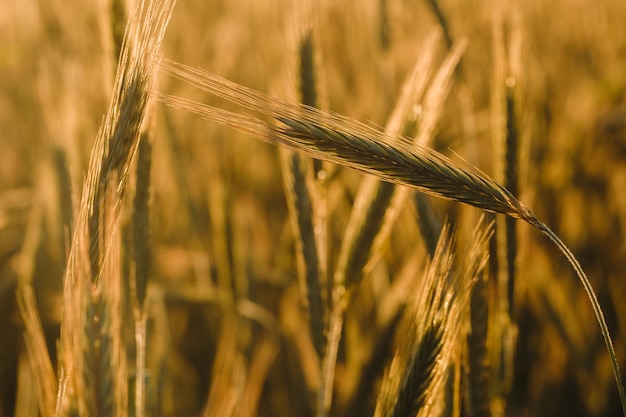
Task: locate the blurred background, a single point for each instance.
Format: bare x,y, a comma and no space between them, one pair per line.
218,199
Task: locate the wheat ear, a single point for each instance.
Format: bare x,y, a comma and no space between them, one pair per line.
301,208
341,140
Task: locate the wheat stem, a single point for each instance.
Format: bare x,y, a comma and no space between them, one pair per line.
595,304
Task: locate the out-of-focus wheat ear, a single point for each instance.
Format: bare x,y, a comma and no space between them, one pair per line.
302,216
43,376
229,371
308,84
98,376
220,209
512,183
385,26
429,110
429,335
373,198
142,252
118,19
262,357
478,350
297,176
118,137
329,361
142,235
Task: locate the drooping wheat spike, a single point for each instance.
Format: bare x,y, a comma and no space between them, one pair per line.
338,139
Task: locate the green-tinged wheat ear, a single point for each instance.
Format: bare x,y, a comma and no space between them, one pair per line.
338,139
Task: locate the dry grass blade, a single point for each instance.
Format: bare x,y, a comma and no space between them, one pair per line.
341,140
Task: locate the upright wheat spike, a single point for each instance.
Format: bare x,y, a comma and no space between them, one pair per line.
338,139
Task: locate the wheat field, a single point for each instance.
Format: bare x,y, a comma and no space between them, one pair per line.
312,208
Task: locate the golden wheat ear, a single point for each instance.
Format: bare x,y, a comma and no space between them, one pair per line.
338,139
